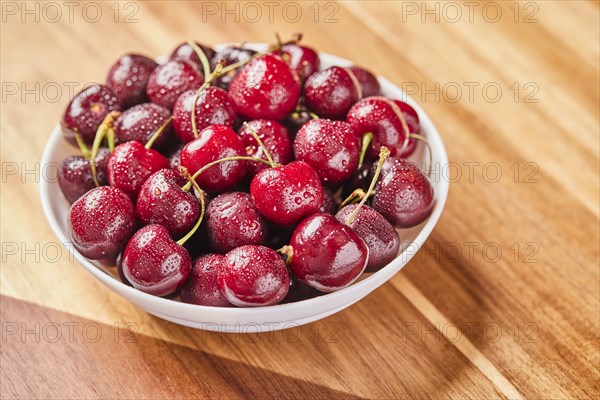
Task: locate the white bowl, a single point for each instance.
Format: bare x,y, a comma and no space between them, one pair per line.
260,319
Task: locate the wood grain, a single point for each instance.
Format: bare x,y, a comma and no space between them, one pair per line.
453,323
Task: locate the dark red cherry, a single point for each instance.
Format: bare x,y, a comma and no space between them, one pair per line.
227,56
330,147
253,276
330,93
379,235
329,206
369,84
213,107
75,174
202,287
294,121
101,222
275,138
232,221
131,164
87,110
327,255
265,88
285,195
403,195
128,78
154,263
170,80
213,143
140,122
185,52
162,201
302,59
381,117
412,120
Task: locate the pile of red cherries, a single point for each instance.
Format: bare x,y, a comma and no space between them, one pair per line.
237,177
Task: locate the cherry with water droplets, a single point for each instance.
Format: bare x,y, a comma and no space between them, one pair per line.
213,107
330,93
168,81
227,56
330,147
101,222
284,195
185,52
302,59
140,122
274,137
202,286
75,174
253,276
265,88
128,77
87,110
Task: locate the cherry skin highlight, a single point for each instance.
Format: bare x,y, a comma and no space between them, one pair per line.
185,52
128,77
140,122
170,80
327,255
154,263
101,222
75,174
330,93
202,287
302,59
253,276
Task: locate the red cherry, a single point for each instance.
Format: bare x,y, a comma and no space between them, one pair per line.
412,120
253,276
128,77
273,135
154,263
329,206
379,235
403,195
162,201
202,287
369,85
265,88
383,118
75,174
285,195
232,221
87,110
327,255
140,122
100,222
330,93
131,164
294,121
330,147
213,107
227,56
302,59
185,52
214,143
170,80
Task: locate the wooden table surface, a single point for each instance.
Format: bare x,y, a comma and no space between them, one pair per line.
503,300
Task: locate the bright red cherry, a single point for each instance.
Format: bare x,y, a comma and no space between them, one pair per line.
213,107
326,254
154,263
253,276
379,235
128,77
265,88
101,222
232,221
141,122
75,174
202,287
168,81
284,195
369,84
330,93
131,164
302,59
273,135
403,195
87,110
162,201
330,147
214,143
185,52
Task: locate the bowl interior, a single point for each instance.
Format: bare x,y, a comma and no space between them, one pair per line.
274,317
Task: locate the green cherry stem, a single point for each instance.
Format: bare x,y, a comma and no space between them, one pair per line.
202,56
366,141
356,195
218,71
260,143
85,151
423,139
158,132
384,152
101,133
287,251
184,172
187,186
